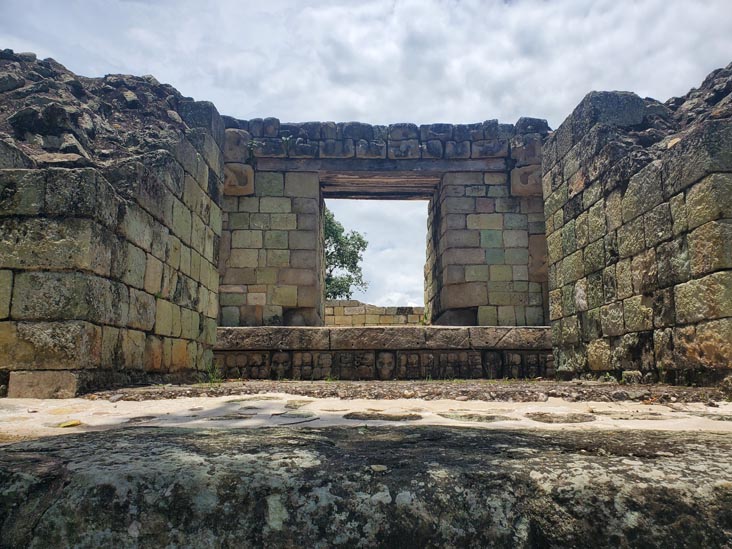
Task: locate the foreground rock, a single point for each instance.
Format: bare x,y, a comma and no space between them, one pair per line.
388,487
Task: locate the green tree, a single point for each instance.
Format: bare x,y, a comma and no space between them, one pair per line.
343,256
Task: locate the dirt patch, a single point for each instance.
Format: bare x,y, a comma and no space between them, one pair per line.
477,418
381,416
546,417
462,390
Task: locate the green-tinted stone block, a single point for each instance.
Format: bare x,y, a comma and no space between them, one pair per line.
501,273
238,221
517,256
269,184
495,256
515,221
275,239
491,239
496,191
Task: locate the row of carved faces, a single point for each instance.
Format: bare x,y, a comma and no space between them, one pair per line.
383,365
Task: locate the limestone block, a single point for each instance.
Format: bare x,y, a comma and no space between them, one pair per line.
275,239
238,179
288,221
236,145
261,221
457,149
163,317
81,193
269,184
599,355
6,287
40,243
432,148
43,384
247,239
631,239
402,131
303,240
674,263
309,296
507,316
526,149
22,192
644,271
69,296
302,184
181,223
489,148
706,298
332,148
679,216
50,345
701,152
370,149
248,204
611,319
275,204
141,311
277,258
658,225
297,277
526,181
515,256
469,294
403,149
460,239
712,346
710,247
230,316
464,256
485,221
285,296
638,313
462,179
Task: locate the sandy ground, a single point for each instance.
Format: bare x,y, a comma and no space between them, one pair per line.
31,418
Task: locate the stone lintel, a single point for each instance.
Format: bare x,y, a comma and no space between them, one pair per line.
382,165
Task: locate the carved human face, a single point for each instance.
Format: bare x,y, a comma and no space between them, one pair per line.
385,362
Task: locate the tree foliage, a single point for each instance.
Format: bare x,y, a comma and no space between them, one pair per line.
343,256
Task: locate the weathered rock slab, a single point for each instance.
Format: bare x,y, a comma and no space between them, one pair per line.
385,487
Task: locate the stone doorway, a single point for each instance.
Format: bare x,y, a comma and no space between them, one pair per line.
486,251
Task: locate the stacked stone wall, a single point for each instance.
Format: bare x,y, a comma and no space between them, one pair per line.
486,249
108,273
640,239
349,312
271,261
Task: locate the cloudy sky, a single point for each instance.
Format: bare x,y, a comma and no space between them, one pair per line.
384,61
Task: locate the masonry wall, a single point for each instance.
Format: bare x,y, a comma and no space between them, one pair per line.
109,275
486,247
638,203
272,250
349,312
486,250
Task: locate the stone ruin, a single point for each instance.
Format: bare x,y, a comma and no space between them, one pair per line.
144,237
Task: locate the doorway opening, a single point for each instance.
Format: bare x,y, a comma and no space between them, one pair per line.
393,262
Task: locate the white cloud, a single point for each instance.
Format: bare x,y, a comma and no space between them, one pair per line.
385,61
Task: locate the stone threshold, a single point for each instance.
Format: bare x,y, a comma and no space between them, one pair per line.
362,338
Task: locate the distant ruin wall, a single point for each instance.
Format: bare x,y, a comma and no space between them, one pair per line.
107,272
349,312
638,204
